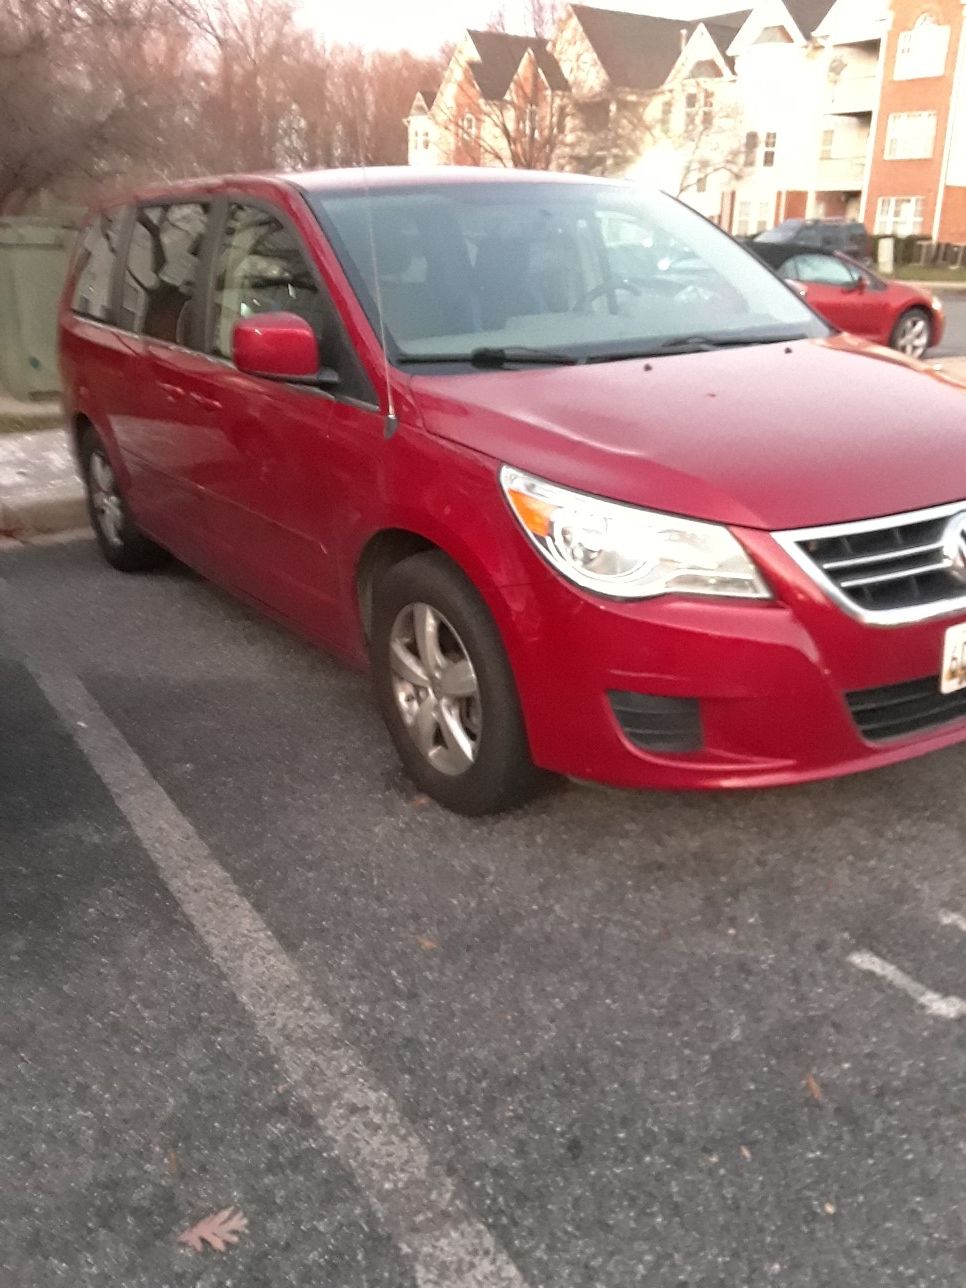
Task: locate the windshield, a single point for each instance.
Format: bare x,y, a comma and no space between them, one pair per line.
591,271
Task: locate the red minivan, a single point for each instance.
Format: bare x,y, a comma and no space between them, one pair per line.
589,489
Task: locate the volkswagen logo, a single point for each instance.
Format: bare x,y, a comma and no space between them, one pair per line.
954,545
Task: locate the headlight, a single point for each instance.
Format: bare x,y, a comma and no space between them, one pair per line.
625,552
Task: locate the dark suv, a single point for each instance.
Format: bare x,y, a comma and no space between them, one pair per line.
845,235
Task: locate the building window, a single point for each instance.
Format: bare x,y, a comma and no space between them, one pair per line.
707,110
910,136
922,51
752,218
900,216
667,113
425,139
751,148
768,152
828,145
690,109
702,184
469,125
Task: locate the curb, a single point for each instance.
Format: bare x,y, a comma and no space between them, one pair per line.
33,514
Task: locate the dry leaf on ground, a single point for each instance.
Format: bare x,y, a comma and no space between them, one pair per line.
745,1152
814,1090
219,1229
427,944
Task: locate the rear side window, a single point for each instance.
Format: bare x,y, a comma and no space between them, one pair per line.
98,253
161,272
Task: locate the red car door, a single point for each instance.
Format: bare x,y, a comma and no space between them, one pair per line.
837,290
162,415
286,460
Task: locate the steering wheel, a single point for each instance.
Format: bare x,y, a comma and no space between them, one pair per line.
600,291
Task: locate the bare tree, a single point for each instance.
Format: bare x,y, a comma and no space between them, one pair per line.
686,124
527,129
86,84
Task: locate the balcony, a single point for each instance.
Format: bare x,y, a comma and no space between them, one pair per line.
852,95
842,174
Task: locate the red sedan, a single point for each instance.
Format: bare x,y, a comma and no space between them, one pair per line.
855,299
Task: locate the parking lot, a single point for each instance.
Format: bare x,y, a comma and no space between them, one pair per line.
612,1040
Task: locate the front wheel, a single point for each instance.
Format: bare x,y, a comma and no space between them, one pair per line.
446,691
912,334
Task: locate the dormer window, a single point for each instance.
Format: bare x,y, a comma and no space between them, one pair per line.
774,36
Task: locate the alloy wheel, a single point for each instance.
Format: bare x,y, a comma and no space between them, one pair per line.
436,688
912,338
105,499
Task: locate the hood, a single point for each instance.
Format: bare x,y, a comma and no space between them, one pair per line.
771,436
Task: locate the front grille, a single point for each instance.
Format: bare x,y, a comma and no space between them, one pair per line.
896,569
899,710
669,725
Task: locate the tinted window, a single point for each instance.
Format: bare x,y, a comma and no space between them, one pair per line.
98,252
162,265
262,269
823,270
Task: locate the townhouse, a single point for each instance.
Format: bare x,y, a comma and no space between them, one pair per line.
784,108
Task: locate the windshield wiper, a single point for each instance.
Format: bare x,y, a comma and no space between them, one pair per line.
494,357
701,343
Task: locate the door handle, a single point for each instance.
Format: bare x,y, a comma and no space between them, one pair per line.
204,402
173,391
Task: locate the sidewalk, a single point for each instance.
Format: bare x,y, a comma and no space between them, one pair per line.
39,488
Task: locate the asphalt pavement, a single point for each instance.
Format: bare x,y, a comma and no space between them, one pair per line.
954,341
613,1040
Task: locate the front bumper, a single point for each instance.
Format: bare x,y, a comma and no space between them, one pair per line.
771,680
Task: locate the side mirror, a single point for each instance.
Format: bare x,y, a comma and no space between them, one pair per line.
858,286
280,346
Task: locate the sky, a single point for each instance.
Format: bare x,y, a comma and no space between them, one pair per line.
423,25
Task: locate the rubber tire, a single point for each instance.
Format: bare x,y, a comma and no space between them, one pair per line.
503,775
136,552
904,317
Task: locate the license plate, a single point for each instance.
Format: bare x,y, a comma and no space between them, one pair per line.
954,660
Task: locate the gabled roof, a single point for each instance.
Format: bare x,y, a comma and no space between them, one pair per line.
808,14
635,50
500,58
723,28
422,102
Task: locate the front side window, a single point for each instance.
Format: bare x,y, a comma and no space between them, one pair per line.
823,270
98,252
910,136
162,265
261,269
596,269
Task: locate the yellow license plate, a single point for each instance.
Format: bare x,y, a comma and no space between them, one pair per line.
953,675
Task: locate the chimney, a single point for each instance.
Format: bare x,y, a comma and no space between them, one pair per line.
684,38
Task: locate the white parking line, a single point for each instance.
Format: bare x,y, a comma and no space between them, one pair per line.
953,919
411,1194
943,1008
